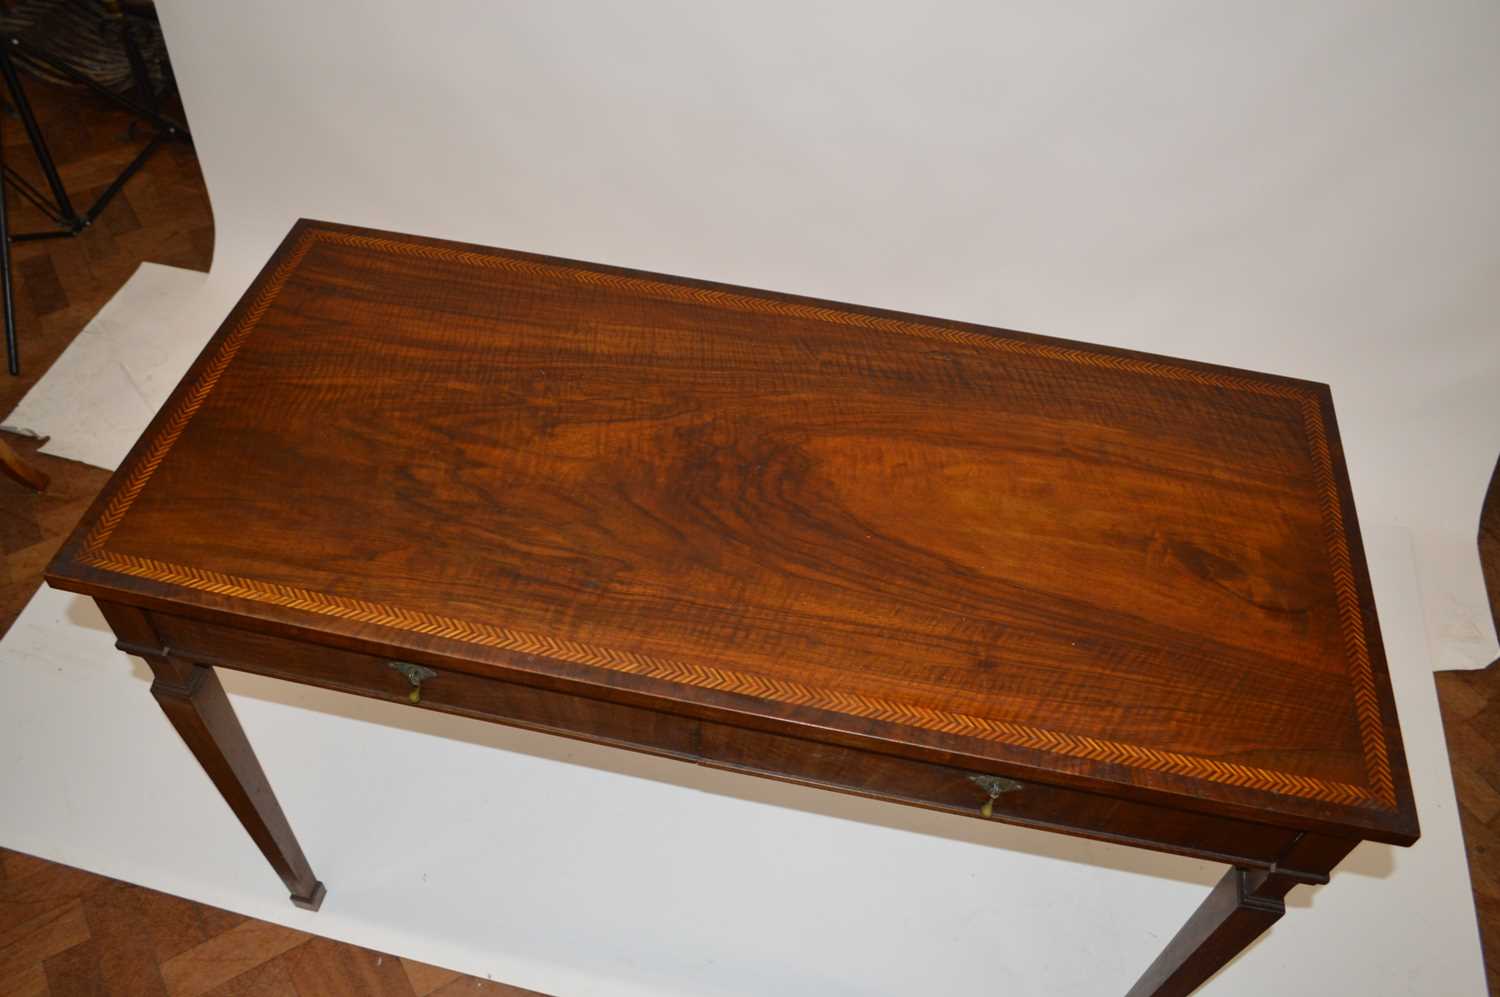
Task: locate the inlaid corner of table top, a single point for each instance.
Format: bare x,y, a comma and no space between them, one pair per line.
950,541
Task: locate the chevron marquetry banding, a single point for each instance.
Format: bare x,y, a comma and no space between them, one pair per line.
1351,618
742,683
1380,792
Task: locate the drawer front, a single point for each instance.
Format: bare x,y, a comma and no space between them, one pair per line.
740,749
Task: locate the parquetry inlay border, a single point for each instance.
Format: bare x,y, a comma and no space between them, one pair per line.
1380,791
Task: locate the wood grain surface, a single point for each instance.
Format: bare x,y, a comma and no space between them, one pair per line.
929,538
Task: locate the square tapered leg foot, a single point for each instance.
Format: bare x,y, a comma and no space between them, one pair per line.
311,902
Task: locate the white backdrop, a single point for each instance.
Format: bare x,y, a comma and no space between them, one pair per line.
1301,190
1307,189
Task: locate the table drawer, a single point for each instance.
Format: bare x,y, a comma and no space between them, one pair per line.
727,746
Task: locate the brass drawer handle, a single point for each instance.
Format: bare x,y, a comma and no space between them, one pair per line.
415,674
994,785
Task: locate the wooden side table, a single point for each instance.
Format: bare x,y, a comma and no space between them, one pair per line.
1022,579
13,467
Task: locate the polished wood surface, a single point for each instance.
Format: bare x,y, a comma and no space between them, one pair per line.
1118,572
20,471
1470,703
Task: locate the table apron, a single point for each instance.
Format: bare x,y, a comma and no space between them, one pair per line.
726,746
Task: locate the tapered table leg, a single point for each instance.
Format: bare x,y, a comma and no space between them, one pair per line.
1238,911
194,701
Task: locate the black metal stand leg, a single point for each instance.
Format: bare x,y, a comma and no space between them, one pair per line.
34,134
166,124
60,211
138,71
125,175
12,350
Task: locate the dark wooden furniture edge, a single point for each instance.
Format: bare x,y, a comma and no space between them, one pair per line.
1244,904
149,635
303,224
20,471
1406,805
706,741
195,703
799,723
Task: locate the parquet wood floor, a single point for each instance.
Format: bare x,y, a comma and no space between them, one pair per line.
64,932
1470,703
69,933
